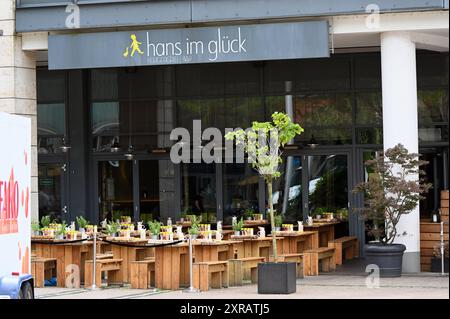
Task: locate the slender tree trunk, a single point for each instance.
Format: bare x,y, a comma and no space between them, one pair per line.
272,219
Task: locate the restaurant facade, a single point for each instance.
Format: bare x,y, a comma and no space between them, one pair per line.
106,82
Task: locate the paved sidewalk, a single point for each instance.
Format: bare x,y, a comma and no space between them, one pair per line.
420,286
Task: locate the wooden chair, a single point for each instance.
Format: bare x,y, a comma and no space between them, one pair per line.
346,247
110,265
211,274
312,257
244,269
42,269
142,273
296,258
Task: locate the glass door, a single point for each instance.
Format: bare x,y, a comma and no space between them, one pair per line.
51,186
115,189
327,188
312,184
156,190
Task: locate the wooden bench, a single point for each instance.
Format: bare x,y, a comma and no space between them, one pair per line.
296,258
312,257
142,273
42,269
110,265
105,256
244,269
346,247
212,274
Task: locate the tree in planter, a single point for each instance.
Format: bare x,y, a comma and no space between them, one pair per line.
389,191
393,189
263,144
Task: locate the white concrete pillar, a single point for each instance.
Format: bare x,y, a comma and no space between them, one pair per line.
18,86
399,85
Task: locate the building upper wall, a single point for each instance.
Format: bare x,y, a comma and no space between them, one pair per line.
51,15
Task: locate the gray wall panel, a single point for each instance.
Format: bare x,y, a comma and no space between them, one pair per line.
207,10
133,13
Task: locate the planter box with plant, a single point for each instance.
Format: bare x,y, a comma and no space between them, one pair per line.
82,223
393,189
112,228
194,230
436,260
154,228
237,228
263,143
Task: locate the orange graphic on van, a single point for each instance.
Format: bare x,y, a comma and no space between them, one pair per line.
134,46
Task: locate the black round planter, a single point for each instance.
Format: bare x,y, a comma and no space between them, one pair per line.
388,258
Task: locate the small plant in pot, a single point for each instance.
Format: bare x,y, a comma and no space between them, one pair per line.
36,228
82,223
249,214
237,228
154,228
263,144
393,189
278,220
436,260
194,230
112,228
61,230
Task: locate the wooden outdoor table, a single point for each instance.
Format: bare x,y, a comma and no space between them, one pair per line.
250,224
256,247
129,254
69,256
214,250
295,242
172,266
325,229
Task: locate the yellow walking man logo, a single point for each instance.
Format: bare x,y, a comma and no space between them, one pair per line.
135,46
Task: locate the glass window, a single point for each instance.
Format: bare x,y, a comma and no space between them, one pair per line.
369,135
104,84
156,190
50,185
309,74
115,182
328,185
327,136
50,86
369,108
209,111
323,110
433,107
198,190
198,80
432,69
51,126
367,71
240,190
287,190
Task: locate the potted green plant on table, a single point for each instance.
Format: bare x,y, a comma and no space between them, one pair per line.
82,223
112,228
36,228
263,143
46,221
237,228
154,227
249,214
194,230
278,220
393,189
61,230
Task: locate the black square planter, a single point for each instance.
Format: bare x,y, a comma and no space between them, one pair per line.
436,265
277,278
